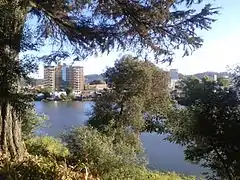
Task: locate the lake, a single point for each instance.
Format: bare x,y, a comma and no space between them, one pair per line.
162,155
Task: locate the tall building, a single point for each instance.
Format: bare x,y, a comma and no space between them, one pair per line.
61,76
75,78
64,76
49,77
58,77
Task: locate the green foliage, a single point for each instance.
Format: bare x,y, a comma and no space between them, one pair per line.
193,89
137,87
40,168
63,97
36,168
31,122
68,91
120,116
98,151
46,146
46,92
236,75
225,82
138,173
115,24
208,127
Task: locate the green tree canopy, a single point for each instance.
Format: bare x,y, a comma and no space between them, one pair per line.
68,90
224,81
208,127
139,90
98,152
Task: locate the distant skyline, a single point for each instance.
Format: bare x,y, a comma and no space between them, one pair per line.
220,48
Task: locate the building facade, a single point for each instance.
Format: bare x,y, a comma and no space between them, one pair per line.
64,83
57,78
49,77
75,78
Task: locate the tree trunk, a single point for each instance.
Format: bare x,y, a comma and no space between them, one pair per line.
11,138
12,17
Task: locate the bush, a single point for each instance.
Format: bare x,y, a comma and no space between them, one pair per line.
63,97
46,146
41,168
31,122
98,151
138,173
36,168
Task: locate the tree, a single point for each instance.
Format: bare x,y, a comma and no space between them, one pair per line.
46,93
225,82
98,152
46,146
32,122
85,28
68,91
207,126
235,76
139,94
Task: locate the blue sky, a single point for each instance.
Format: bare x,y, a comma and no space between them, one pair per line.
220,49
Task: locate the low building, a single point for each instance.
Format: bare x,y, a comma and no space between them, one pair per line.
98,86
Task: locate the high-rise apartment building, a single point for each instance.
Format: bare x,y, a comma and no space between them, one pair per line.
58,77
62,76
75,78
49,77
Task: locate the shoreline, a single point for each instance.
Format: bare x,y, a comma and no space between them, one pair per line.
80,100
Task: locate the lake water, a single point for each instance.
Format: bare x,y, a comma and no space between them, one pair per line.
162,155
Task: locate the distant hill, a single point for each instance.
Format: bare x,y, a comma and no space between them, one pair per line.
99,77
211,74
208,73
92,77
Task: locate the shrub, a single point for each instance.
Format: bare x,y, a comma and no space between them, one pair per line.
63,97
138,173
46,146
41,168
98,151
31,122
36,168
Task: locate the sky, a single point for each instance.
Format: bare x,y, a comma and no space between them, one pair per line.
220,49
